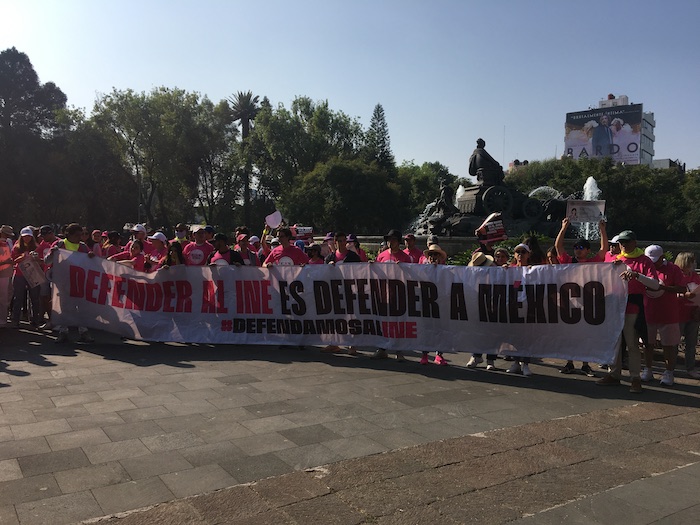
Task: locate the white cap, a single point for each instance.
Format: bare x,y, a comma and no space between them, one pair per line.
197,228
26,231
524,246
158,236
254,239
615,240
654,252
274,240
139,228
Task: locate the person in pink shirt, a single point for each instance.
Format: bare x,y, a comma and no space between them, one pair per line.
160,250
95,243
249,256
354,245
393,252
414,253
689,313
314,253
139,232
196,253
639,272
341,254
613,250
6,233
286,254
662,312
47,236
582,250
113,244
134,257
26,247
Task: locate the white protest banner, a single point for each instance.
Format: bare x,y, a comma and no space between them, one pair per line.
568,311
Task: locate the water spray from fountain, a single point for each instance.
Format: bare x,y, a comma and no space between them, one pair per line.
591,192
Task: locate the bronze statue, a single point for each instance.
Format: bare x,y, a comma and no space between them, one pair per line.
484,167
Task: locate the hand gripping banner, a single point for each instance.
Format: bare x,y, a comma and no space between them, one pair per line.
566,311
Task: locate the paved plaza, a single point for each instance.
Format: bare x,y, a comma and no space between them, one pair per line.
203,434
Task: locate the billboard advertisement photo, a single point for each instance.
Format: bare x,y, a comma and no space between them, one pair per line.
605,132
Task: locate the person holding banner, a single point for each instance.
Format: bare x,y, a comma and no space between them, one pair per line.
72,243
640,274
341,253
286,254
25,248
250,257
224,252
393,253
414,253
134,257
196,253
479,258
582,250
522,260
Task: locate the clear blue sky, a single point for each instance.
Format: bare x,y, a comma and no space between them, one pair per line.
446,71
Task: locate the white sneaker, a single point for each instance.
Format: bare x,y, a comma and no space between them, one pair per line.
514,368
474,361
526,370
490,365
695,374
667,378
647,375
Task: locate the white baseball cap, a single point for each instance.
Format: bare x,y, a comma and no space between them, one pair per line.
139,228
654,252
158,236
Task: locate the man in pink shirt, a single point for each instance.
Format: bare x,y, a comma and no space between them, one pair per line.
139,232
662,314
414,253
286,254
196,253
393,253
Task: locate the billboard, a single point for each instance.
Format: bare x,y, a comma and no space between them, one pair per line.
605,132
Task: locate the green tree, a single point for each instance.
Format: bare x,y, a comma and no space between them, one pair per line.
377,142
244,108
26,104
158,136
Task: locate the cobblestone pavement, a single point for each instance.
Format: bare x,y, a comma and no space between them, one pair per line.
253,434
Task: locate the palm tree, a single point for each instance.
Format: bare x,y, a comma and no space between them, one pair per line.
244,107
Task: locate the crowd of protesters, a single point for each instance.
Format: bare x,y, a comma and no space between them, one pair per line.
659,305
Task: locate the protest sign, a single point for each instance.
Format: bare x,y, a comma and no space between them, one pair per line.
567,311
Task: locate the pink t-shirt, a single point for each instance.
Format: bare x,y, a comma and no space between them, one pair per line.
565,258
138,262
389,256
289,256
665,309
317,261
415,254
686,309
197,254
147,247
609,257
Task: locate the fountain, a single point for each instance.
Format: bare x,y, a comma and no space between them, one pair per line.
591,192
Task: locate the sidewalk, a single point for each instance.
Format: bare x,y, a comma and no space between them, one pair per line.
88,431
